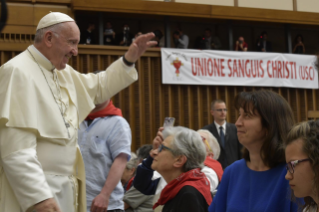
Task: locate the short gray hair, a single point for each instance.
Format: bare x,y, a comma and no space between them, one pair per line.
189,143
133,162
40,33
213,143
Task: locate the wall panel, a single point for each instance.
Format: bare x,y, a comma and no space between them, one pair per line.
308,6
209,2
268,4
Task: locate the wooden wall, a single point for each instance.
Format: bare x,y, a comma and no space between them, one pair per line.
147,102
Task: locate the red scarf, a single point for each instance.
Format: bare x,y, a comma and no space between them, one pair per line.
109,110
194,178
215,165
129,184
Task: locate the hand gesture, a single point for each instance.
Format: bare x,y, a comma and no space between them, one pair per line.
158,140
48,205
100,203
139,46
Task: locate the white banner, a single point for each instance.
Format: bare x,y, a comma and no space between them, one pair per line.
195,67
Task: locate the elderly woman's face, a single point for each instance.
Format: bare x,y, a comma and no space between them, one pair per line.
249,128
165,159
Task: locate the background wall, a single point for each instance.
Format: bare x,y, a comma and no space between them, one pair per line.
209,2
308,6
267,4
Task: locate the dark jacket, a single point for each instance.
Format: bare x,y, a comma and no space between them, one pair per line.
232,150
260,46
188,199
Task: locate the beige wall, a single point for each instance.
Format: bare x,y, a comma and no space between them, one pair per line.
268,4
308,6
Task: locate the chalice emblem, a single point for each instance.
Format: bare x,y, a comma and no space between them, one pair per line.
177,64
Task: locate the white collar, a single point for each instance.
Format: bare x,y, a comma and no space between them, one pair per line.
43,57
217,125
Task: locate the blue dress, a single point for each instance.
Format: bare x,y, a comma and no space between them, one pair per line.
245,190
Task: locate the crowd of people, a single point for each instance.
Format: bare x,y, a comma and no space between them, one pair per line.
181,40
66,148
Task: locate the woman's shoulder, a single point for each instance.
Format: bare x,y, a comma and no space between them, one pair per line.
239,164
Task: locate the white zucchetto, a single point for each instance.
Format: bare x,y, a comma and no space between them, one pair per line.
53,18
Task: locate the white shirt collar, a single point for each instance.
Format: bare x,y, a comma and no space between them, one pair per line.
217,126
39,53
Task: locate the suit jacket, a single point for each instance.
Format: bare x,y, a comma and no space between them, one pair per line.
260,46
232,150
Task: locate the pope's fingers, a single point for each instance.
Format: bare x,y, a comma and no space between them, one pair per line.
151,43
145,37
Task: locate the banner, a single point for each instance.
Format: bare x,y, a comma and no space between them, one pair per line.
206,67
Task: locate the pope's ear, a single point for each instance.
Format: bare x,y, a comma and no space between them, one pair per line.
180,161
47,38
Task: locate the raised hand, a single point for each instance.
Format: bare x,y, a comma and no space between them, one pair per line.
139,46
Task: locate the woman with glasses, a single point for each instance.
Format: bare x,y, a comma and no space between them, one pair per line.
178,160
257,182
302,157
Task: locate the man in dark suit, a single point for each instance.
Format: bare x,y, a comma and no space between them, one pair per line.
225,133
263,45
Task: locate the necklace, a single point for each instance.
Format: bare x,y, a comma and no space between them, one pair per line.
67,125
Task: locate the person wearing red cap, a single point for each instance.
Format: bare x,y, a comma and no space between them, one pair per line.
43,100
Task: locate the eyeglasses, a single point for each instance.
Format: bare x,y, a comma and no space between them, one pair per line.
221,110
206,142
290,166
161,147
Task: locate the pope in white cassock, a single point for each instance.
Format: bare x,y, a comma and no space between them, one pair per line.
42,102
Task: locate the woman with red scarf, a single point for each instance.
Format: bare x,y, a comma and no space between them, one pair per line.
179,159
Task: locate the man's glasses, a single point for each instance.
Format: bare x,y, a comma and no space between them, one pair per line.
221,110
290,166
161,147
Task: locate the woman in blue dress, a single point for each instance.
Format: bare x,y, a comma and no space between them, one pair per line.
257,182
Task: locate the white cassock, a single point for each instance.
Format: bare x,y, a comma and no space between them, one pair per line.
38,159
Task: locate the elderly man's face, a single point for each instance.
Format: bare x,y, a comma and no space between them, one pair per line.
65,45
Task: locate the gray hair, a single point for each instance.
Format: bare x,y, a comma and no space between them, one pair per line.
189,143
132,163
41,32
213,143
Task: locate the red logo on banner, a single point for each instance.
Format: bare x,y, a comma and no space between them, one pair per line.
177,64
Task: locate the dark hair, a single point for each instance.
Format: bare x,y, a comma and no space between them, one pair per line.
308,131
216,101
176,33
158,33
296,39
144,151
264,33
208,29
276,117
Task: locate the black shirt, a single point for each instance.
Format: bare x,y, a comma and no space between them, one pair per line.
188,199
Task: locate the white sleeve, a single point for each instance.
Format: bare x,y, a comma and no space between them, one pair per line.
104,85
20,164
212,177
